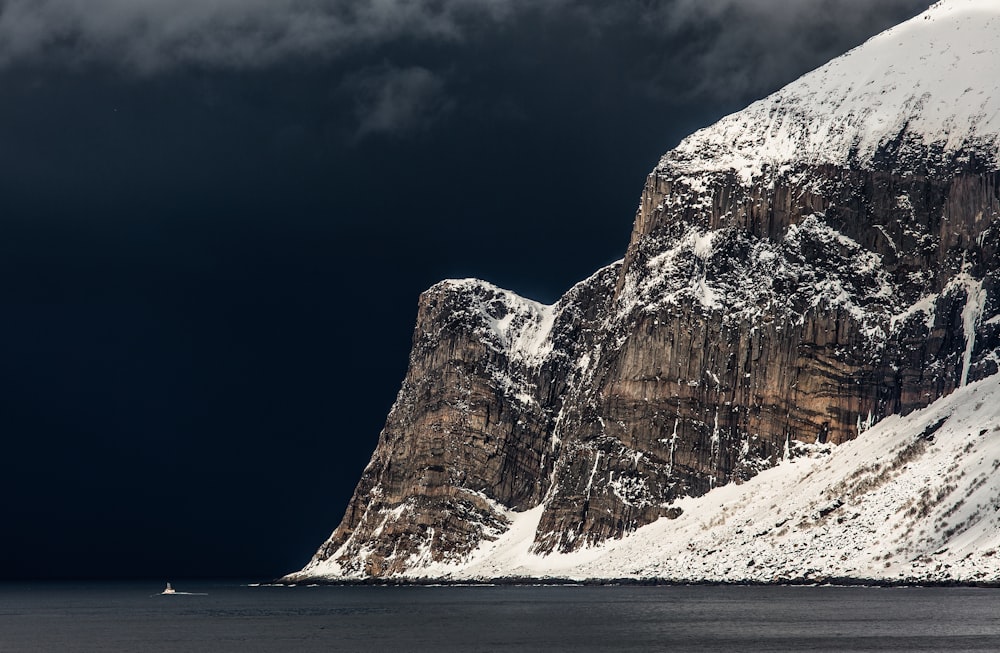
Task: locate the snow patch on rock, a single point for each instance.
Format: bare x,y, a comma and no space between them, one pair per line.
521,327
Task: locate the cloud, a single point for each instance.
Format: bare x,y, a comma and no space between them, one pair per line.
150,35
675,50
745,48
391,100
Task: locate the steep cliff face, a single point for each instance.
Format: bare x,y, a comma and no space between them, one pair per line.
799,271
727,343
470,437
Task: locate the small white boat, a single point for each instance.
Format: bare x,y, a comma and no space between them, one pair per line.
169,590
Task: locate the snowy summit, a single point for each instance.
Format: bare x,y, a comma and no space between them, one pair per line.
931,81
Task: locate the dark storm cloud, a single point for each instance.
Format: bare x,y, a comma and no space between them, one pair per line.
721,35
746,48
391,100
149,35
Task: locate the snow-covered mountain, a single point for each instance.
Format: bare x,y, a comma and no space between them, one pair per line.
759,389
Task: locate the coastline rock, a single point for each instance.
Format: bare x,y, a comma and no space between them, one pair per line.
797,273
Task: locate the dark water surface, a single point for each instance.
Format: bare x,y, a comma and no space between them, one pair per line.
130,617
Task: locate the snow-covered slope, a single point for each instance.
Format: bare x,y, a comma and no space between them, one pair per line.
913,498
920,83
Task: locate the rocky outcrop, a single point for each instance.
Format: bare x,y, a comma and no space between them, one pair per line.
788,280
470,436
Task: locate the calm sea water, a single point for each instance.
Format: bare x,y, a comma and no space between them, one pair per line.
130,617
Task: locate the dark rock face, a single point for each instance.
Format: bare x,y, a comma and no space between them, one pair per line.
470,434
746,318
804,307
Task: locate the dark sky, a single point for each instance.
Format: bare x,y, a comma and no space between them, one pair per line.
216,217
